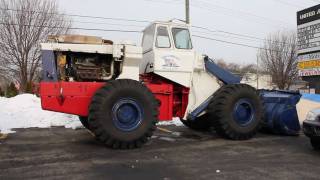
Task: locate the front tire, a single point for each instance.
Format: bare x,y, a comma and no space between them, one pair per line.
201,123
236,111
123,114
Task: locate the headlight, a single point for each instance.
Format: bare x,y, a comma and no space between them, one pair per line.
311,116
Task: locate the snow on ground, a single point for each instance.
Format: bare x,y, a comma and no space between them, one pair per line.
24,111
175,121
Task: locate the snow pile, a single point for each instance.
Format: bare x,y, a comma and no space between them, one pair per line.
175,121
24,111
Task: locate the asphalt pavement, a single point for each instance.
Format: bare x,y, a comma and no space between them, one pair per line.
173,153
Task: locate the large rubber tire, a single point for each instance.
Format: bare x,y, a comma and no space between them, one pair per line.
236,111
84,122
201,123
123,114
315,142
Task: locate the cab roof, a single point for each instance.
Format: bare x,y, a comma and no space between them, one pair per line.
174,22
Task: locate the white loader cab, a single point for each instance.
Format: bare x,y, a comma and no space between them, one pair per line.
168,51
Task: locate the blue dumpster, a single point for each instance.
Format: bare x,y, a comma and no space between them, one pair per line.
281,115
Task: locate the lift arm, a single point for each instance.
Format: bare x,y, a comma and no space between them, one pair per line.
223,75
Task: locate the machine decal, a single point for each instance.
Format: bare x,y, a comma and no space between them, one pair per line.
171,62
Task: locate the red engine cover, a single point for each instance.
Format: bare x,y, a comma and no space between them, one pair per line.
68,97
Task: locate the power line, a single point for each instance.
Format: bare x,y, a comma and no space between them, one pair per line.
208,6
108,30
240,11
108,18
88,22
81,16
227,11
288,4
165,1
210,30
315,1
112,24
240,35
135,31
133,20
72,28
234,43
228,42
117,30
95,29
227,36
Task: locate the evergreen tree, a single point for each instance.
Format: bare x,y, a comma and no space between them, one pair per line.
1,92
12,90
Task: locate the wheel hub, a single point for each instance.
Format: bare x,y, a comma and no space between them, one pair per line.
243,112
127,114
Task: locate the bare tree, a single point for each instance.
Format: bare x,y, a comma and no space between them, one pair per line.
233,67
279,58
249,68
24,25
222,63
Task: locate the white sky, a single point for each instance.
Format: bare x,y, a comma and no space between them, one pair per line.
249,17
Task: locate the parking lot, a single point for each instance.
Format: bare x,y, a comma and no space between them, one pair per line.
173,153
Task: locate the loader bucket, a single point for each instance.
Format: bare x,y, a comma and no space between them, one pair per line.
281,115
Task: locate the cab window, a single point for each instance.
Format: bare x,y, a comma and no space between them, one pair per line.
147,41
163,40
181,38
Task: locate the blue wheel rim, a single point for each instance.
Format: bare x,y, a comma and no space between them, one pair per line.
243,112
127,114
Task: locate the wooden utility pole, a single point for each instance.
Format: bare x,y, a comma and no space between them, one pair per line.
257,72
188,11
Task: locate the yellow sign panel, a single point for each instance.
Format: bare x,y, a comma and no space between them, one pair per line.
309,64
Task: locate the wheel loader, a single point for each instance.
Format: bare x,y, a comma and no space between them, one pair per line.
120,90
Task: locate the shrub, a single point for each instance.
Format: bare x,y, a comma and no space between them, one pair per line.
1,92
11,90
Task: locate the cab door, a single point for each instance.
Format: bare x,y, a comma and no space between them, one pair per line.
174,54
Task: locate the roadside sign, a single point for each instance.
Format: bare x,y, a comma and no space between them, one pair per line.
308,21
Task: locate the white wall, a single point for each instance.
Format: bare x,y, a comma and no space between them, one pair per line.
264,81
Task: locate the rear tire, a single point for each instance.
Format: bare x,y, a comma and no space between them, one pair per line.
236,111
123,114
315,142
201,123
